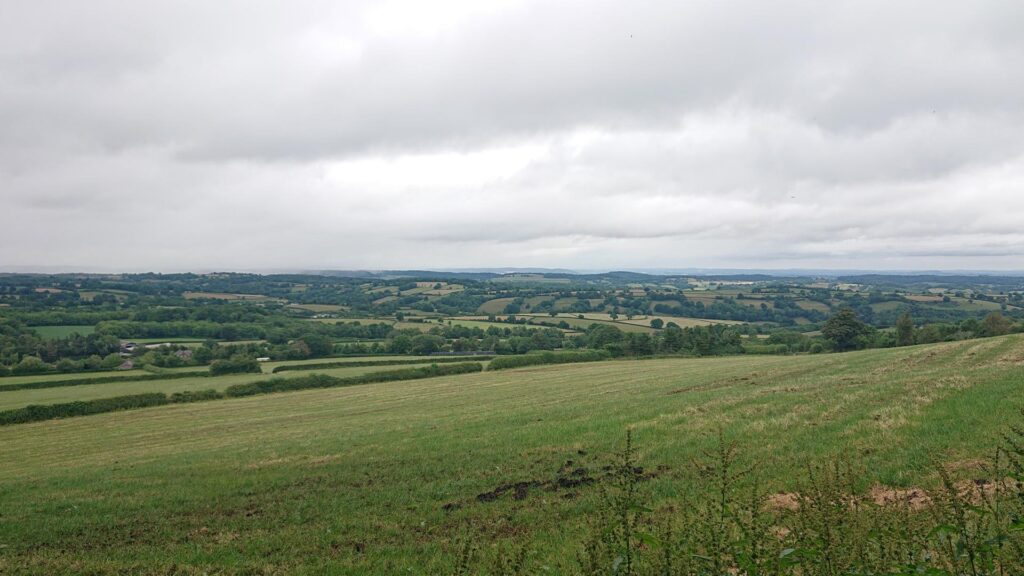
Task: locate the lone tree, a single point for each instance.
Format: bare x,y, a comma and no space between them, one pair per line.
995,324
657,323
904,330
844,330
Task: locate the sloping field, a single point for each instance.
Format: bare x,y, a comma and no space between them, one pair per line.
496,306
388,478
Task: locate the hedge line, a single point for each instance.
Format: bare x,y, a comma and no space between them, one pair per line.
765,349
83,408
505,362
100,380
324,381
357,363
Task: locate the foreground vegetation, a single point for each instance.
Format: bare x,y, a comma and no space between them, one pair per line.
974,527
400,476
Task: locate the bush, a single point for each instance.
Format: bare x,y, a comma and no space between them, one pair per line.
506,362
194,396
237,364
31,365
68,365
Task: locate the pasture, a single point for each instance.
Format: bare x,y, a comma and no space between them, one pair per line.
390,477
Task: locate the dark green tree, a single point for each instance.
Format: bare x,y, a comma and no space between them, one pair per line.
904,330
844,330
995,324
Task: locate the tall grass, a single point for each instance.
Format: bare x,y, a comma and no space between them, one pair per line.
825,528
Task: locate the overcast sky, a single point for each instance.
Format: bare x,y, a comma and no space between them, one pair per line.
198,135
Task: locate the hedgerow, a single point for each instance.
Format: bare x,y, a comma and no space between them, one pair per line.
36,413
361,363
505,362
323,381
100,380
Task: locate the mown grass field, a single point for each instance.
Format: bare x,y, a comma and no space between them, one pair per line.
388,478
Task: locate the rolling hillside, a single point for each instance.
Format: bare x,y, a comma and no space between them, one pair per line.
390,477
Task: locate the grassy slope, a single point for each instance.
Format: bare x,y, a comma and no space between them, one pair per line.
353,480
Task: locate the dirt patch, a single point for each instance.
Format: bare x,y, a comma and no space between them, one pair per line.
973,491
783,501
976,491
569,479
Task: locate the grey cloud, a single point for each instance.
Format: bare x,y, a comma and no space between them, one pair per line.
163,135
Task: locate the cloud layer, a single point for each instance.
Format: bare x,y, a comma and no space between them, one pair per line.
196,135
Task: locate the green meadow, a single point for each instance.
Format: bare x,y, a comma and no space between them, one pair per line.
392,477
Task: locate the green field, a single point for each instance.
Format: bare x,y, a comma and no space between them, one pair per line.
496,306
384,478
54,332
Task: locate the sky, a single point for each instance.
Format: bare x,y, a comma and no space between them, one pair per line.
144,135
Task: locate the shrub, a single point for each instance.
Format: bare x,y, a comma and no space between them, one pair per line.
237,364
31,365
194,396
